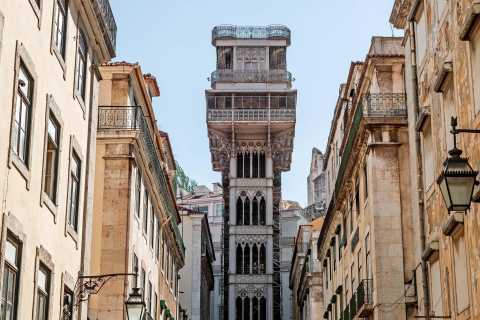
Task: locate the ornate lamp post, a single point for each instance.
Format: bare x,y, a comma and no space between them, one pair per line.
458,178
135,305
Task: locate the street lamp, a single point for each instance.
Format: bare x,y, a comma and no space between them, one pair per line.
458,178
135,305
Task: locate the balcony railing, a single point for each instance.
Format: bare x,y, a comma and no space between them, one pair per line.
385,105
252,102
251,115
229,75
251,32
104,14
364,296
353,306
132,118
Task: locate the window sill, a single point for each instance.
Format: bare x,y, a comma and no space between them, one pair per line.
60,59
38,11
72,233
81,102
51,206
21,167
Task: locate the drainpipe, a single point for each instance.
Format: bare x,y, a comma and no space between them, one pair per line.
419,163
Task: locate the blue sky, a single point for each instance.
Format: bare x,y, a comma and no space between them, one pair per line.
171,39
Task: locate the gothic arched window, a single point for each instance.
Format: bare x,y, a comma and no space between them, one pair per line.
238,307
255,165
263,308
263,259
246,211
246,308
246,165
263,212
255,212
240,165
255,259
246,259
239,211
255,308
262,165
239,259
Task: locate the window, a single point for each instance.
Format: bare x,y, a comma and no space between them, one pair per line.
152,229
74,190
150,297
143,279
81,72
428,156
368,261
43,293
461,272
219,210
357,196
277,58
365,179
51,166
155,306
436,302
420,34
145,212
225,58
135,268
157,245
475,61
251,165
67,304
11,275
138,192
60,26
23,111
441,6
203,209
239,259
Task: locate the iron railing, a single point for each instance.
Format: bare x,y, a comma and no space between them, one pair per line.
230,75
252,102
385,105
364,293
248,115
104,14
251,32
132,118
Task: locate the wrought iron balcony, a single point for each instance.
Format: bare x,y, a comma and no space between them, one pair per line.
385,105
230,75
132,118
364,296
104,14
251,108
251,32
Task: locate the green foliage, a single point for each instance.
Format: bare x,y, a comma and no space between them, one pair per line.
183,181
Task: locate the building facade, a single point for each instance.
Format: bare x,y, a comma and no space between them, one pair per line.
135,220
305,278
251,120
316,181
196,278
291,218
49,53
365,244
210,202
442,61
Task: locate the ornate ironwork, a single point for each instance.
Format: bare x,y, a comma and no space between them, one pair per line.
104,14
251,32
132,118
88,285
385,105
229,75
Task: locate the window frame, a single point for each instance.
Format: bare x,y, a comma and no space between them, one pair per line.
23,58
18,244
43,260
69,230
60,53
37,10
52,109
79,95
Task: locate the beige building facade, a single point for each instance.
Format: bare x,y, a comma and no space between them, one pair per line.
442,64
365,243
49,51
135,220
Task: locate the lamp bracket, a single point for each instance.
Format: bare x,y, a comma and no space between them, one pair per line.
88,285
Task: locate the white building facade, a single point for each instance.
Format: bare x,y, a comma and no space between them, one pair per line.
251,121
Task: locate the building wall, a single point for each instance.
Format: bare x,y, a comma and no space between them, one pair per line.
28,214
441,40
